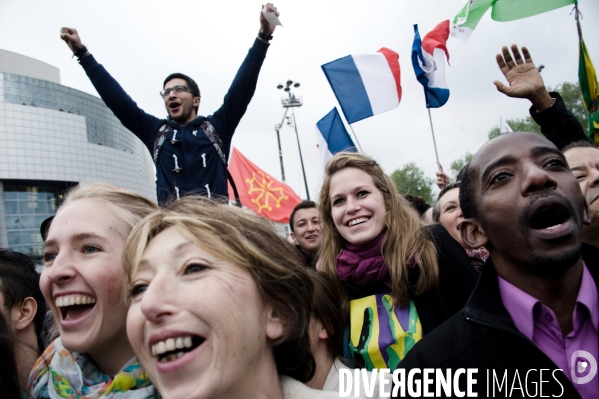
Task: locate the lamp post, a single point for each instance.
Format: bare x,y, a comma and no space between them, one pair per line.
291,101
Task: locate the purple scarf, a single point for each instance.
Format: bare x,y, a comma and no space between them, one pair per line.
363,264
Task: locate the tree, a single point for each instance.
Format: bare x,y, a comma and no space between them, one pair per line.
411,180
526,124
459,163
572,97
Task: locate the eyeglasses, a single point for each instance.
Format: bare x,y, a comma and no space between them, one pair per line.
177,89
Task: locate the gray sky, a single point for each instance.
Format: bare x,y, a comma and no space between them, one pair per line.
140,43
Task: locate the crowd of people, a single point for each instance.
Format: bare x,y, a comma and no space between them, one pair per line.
195,298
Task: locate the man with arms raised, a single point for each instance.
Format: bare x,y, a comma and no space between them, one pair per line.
536,303
190,151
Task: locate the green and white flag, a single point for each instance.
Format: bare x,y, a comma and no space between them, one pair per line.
502,10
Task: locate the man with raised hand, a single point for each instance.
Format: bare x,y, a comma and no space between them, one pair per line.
560,126
190,151
535,308
548,110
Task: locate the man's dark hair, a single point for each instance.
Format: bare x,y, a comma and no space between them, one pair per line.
18,281
193,86
417,203
305,204
578,144
436,206
467,198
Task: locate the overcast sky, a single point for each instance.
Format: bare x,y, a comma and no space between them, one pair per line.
140,43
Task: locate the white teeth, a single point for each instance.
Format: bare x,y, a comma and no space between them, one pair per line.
160,347
169,345
73,300
357,221
552,227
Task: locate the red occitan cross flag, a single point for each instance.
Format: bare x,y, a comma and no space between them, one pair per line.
259,191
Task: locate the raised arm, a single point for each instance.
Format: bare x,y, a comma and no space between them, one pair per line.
124,108
241,91
442,179
548,109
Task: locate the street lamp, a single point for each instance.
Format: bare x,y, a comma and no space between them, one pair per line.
291,101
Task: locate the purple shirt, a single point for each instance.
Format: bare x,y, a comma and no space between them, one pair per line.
537,322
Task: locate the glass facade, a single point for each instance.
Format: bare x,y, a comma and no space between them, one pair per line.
53,137
26,207
102,126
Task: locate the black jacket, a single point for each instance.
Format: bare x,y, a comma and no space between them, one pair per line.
309,259
483,336
590,254
558,124
457,279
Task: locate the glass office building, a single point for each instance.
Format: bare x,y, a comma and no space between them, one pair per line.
54,137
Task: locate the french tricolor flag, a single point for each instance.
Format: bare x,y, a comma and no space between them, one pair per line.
332,136
365,84
428,59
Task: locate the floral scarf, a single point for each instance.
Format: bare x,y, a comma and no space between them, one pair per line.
60,374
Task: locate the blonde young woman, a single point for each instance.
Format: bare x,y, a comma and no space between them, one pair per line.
83,281
220,305
402,279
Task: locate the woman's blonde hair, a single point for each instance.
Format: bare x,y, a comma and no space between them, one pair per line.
128,206
249,241
405,241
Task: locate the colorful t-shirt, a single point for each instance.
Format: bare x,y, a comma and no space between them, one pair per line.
380,335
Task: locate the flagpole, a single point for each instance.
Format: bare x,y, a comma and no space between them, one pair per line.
356,137
277,129
433,132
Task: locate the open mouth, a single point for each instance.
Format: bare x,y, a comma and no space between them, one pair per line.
357,221
173,348
174,106
549,217
74,307
312,237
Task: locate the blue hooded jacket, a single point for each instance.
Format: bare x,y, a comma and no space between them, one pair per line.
187,160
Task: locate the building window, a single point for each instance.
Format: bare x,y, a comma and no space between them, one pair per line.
26,208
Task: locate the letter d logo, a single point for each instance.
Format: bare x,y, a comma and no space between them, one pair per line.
580,362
